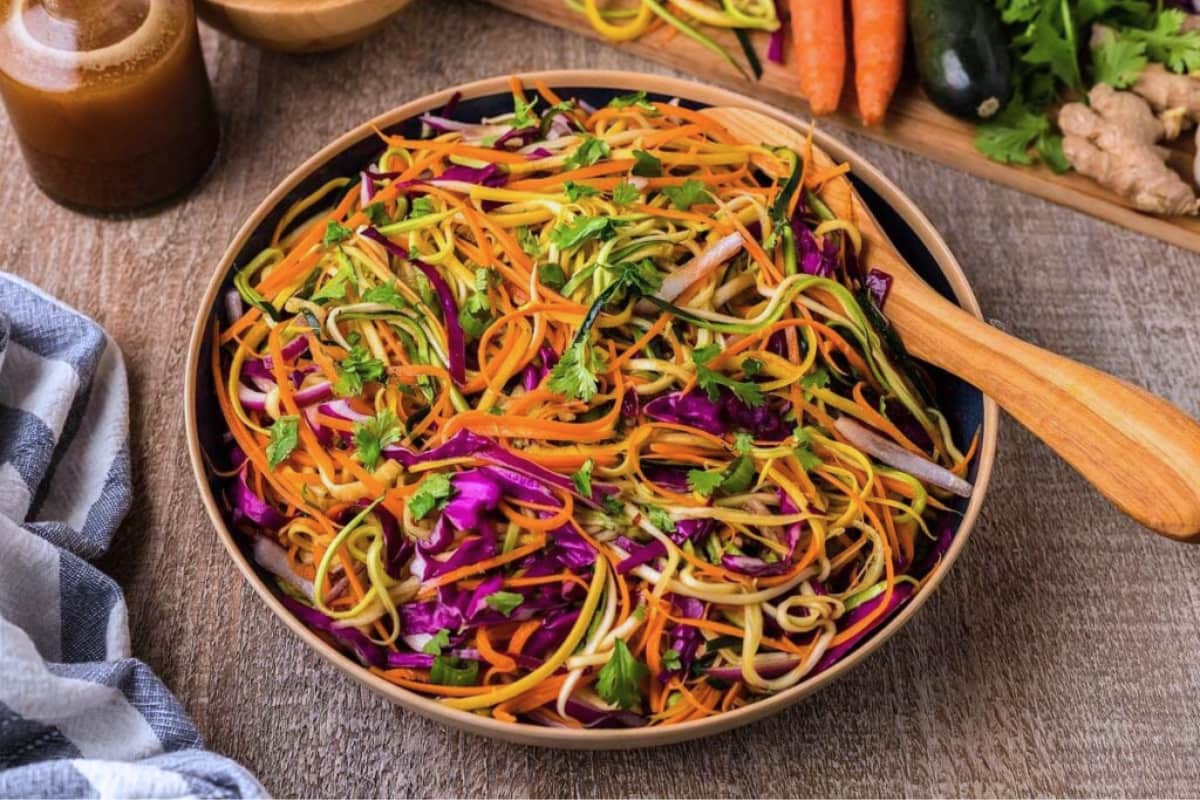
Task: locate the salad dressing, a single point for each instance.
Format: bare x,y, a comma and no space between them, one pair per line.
108,98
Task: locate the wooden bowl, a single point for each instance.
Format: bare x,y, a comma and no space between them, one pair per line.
298,26
967,409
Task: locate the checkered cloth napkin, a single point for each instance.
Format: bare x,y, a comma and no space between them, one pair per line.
78,716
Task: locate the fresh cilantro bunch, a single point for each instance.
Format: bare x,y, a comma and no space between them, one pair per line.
1050,47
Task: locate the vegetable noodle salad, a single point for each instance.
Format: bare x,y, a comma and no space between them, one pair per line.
582,417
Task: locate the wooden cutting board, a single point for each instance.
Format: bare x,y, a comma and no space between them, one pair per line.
913,122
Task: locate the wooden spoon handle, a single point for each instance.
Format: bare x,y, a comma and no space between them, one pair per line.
1140,451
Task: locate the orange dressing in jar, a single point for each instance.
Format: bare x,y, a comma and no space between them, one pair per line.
108,98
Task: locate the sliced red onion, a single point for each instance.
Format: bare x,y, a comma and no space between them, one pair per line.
234,309
273,558
316,393
324,435
593,716
263,367
341,409
444,125
768,665
722,250
250,399
896,456
366,190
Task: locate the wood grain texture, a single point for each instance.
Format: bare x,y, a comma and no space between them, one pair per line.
912,123
1138,450
1059,657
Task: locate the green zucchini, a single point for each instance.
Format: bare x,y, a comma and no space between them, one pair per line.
962,56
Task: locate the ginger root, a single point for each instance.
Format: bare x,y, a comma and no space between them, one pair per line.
1175,97
1114,142
1165,90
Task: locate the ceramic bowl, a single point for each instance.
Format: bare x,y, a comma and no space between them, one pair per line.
298,26
912,234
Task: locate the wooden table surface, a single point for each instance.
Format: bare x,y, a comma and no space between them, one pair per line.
1060,657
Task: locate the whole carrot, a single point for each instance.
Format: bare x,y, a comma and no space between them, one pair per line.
819,32
879,31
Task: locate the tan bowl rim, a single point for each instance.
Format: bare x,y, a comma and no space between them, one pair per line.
589,738
275,8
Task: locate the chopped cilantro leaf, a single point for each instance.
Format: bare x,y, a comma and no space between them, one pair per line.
646,165
433,492
385,294
377,214
642,277
704,482
528,242
576,191
634,100
335,233
625,194
583,478
580,230
588,152
523,116
705,354
817,379
575,373
335,287
440,641
420,207
355,370
619,680
283,437
660,519
551,275
504,602
374,434
686,194
807,458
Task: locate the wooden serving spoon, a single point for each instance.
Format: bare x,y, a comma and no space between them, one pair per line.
1140,451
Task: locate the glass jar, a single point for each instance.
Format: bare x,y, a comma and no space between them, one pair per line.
108,98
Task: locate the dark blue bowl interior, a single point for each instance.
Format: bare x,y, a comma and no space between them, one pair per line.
961,403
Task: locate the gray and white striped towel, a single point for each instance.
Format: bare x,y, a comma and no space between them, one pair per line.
78,716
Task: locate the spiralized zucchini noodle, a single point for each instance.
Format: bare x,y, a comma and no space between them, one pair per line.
694,19
581,417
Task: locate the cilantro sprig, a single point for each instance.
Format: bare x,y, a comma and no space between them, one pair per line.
589,150
711,381
282,439
373,434
355,370
619,680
